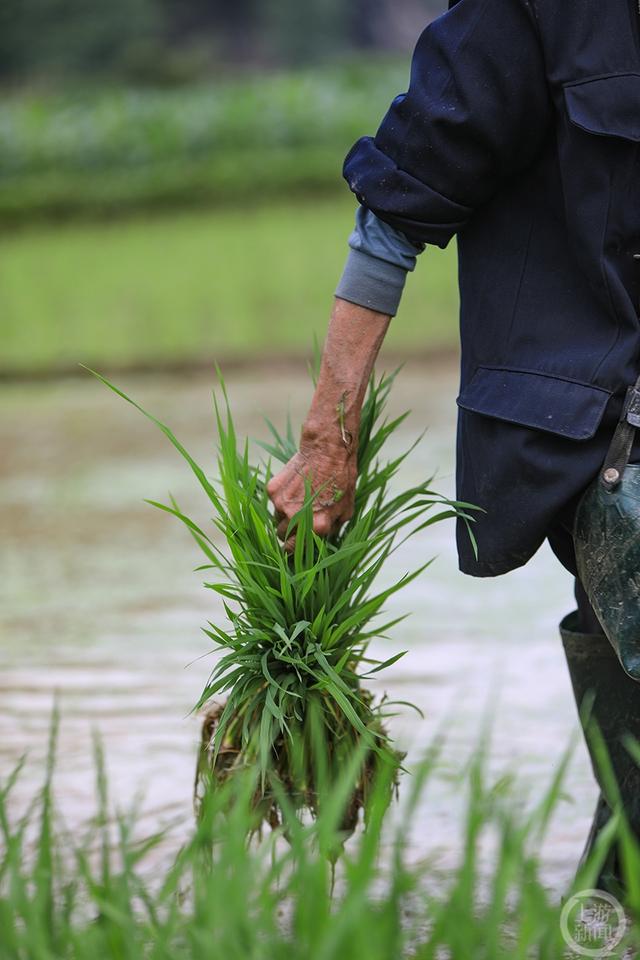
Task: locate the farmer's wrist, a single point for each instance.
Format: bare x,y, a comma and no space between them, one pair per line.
324,430
337,401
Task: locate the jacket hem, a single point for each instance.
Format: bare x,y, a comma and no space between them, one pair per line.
493,568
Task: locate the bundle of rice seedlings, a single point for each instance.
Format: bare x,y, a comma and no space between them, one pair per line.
287,695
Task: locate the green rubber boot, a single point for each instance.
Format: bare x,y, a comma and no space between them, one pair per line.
594,669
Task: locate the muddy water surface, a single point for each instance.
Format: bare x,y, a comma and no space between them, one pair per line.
99,605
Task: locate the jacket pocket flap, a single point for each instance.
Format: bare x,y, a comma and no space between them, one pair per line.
609,105
539,400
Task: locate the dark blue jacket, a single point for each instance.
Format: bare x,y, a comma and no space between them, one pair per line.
520,134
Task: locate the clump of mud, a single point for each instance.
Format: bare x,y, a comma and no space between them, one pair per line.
296,773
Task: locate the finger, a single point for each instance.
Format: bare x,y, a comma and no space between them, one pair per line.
275,484
347,512
290,544
279,481
347,506
337,523
281,528
323,523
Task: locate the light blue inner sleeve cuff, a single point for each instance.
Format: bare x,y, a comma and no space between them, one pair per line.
377,265
377,238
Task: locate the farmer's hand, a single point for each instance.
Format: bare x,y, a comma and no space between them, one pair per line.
331,470
329,440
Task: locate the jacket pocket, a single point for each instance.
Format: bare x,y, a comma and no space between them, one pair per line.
539,400
606,105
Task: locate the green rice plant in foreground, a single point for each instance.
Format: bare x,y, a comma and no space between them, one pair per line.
104,892
295,648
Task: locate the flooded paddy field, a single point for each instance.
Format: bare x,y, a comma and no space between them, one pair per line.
100,608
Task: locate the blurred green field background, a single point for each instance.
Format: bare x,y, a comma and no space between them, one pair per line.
186,286
148,226
94,150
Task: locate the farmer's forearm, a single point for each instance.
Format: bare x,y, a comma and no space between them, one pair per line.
353,341
367,296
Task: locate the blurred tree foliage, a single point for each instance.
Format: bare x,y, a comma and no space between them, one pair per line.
61,37
172,40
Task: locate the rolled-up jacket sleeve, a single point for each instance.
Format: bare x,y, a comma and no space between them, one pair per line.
476,113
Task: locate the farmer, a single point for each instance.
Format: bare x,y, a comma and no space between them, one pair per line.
519,134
